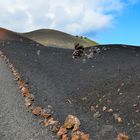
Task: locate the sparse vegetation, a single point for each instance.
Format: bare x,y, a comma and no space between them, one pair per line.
87,40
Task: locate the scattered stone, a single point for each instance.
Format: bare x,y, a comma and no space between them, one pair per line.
84,136
51,122
64,137
134,105
110,110
120,93
77,46
97,106
122,84
37,111
69,101
117,118
122,136
49,106
27,102
44,114
41,122
29,108
62,131
21,84
90,55
104,48
38,52
84,98
104,108
55,127
97,115
75,137
119,90
78,135
31,97
72,122
92,109
49,110
78,50
24,91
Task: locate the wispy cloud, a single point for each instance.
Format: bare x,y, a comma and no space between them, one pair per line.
72,16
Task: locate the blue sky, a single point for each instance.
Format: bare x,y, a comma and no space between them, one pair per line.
126,30
106,21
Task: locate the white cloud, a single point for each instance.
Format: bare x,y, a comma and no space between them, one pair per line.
72,16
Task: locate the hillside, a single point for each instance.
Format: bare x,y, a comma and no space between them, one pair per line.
102,91
101,87
7,35
49,37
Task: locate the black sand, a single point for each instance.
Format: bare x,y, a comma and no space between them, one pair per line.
72,86
15,122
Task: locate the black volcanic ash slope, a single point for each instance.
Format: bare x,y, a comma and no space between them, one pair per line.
72,86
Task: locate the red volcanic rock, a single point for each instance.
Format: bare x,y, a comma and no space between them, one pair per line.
7,35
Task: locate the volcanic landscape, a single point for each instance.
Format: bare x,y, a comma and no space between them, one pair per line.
100,87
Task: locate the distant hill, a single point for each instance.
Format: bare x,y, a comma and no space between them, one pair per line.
8,35
49,37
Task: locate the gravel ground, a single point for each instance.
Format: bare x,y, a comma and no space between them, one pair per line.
15,122
85,87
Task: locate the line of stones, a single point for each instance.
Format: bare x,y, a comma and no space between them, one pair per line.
71,123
